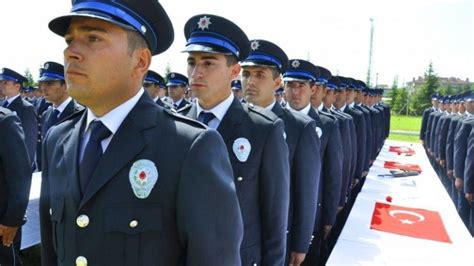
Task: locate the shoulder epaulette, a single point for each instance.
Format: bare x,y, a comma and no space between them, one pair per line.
260,111
185,119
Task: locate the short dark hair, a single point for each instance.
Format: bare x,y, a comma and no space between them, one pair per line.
231,60
275,72
135,41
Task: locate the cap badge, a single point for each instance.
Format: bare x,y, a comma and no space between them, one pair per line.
46,66
204,23
295,64
319,131
143,176
242,148
172,75
254,45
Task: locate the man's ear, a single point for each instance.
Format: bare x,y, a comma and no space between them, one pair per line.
143,61
235,71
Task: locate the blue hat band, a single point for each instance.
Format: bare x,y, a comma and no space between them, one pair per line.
264,57
176,81
52,75
219,41
152,80
119,13
322,80
331,86
299,74
6,77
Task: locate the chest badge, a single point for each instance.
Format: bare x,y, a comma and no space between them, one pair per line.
242,148
143,176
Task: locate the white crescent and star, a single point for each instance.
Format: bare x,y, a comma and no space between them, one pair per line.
394,213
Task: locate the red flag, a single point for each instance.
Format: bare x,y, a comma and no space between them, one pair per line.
401,150
402,166
411,222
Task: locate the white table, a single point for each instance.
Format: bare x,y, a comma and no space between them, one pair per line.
360,245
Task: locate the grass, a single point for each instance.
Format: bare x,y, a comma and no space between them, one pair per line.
405,123
406,138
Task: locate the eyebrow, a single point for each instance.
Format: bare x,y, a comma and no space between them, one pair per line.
88,29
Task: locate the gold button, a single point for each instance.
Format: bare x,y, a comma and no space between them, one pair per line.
82,221
240,179
81,261
133,224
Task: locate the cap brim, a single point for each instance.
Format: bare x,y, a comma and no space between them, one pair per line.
60,25
295,79
257,64
48,79
204,49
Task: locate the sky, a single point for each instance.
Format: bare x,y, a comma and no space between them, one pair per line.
408,34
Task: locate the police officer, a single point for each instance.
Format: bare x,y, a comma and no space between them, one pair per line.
236,86
10,84
261,75
116,196
177,85
255,140
299,82
426,114
461,141
154,85
279,98
15,182
469,177
53,85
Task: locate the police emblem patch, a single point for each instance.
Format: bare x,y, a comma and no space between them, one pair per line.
143,176
295,64
204,23
242,148
254,45
319,131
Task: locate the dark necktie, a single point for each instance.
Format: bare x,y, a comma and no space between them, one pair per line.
5,104
175,106
53,119
92,153
206,117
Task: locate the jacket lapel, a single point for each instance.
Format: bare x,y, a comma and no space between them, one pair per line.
127,142
278,110
231,120
71,153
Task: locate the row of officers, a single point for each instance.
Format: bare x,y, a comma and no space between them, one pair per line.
447,135
130,177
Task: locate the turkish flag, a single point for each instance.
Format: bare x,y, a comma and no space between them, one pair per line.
401,150
402,166
411,222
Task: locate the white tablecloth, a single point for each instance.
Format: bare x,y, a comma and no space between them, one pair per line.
359,245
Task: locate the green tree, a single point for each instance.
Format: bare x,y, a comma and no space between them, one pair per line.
422,97
400,105
167,69
31,82
466,87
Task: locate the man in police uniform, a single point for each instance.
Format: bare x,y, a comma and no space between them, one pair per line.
154,85
255,140
116,196
15,182
300,85
10,84
426,114
236,86
177,85
261,75
52,84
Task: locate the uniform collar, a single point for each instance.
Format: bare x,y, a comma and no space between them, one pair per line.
113,119
219,110
305,110
63,105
